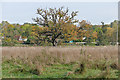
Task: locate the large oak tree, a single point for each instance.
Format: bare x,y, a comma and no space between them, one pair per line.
54,20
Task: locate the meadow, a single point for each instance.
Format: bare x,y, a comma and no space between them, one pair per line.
60,62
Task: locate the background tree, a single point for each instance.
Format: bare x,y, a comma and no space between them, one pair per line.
102,34
9,33
114,32
36,37
86,31
26,30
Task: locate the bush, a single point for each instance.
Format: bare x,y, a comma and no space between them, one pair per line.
8,42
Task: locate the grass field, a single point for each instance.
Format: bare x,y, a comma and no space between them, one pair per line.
60,62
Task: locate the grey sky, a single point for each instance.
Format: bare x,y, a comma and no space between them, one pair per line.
59,0
95,12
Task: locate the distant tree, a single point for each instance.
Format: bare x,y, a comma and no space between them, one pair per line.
94,36
114,33
86,30
54,19
8,33
26,30
102,37
36,37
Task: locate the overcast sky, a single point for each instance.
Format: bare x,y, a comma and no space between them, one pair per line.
95,12
59,0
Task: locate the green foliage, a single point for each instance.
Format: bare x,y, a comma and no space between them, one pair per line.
7,42
26,30
102,38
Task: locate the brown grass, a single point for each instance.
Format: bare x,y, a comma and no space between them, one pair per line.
63,54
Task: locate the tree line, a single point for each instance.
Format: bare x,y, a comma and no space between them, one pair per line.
56,27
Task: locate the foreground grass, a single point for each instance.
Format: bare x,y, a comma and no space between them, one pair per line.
60,62
12,70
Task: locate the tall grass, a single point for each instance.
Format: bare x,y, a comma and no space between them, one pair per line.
63,54
102,58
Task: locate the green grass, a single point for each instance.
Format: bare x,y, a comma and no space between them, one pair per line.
12,70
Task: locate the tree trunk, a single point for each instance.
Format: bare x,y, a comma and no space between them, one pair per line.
54,42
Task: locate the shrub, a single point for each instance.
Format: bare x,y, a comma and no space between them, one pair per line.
8,42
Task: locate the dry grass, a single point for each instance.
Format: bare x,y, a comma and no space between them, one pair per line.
69,53
64,54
